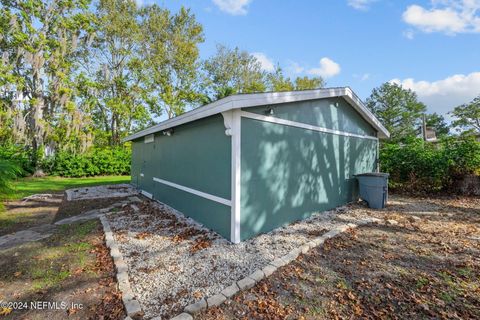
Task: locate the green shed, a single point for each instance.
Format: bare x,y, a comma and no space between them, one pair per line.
249,163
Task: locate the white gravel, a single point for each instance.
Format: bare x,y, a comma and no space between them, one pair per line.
99,192
166,275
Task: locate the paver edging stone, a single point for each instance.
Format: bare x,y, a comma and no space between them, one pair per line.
132,306
252,279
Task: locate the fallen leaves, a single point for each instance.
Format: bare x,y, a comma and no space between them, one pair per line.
186,234
200,243
421,268
143,235
4,311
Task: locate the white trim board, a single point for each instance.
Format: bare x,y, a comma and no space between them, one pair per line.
236,132
295,124
239,101
195,192
146,194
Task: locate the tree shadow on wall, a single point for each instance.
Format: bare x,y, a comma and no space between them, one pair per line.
290,173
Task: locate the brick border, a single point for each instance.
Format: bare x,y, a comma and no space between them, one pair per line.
259,274
132,306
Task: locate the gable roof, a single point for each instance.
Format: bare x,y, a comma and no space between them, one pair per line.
269,98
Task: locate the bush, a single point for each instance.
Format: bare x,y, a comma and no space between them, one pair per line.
100,161
420,166
20,156
8,172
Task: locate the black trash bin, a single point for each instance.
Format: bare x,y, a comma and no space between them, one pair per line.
373,187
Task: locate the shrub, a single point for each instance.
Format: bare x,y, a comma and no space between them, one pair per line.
423,166
100,161
20,156
8,172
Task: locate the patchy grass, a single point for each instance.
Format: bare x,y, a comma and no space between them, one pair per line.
72,266
425,267
16,215
28,186
19,215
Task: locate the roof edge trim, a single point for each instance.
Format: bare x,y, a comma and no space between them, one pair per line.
269,98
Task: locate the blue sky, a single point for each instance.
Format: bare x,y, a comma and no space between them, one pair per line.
431,47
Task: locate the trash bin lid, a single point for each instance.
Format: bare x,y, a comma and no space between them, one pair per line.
373,174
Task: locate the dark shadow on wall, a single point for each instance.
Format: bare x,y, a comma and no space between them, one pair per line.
289,173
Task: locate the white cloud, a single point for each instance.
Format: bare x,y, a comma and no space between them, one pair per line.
446,16
360,4
328,68
443,95
266,62
294,67
233,7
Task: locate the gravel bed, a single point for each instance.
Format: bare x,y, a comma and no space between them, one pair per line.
100,192
174,261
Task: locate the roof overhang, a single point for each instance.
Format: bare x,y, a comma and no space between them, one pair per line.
270,98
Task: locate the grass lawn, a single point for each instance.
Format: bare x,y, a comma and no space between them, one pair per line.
16,215
27,186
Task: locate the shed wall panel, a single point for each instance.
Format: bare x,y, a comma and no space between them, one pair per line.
289,173
333,113
197,156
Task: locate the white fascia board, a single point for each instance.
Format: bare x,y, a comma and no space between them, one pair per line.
358,105
269,98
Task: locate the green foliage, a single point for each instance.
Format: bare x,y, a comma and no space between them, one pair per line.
437,123
307,83
463,155
398,109
100,161
421,166
276,81
19,155
233,71
8,172
415,165
170,50
468,115
41,42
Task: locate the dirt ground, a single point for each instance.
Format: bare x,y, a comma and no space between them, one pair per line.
20,215
72,208
422,261
73,266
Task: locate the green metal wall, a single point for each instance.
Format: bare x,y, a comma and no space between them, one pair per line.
197,156
288,173
334,113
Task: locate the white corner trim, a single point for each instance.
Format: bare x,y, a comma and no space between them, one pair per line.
236,175
239,101
227,121
195,192
146,194
302,125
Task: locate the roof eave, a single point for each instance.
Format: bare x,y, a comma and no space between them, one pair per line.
258,99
